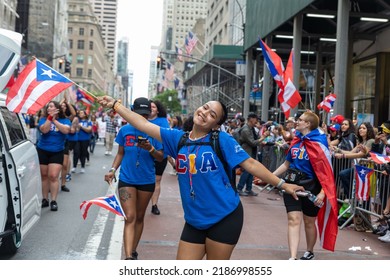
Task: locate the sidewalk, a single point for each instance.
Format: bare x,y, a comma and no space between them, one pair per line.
264,235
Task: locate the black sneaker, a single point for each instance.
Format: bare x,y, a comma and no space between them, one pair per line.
65,188
134,255
45,203
307,256
251,193
155,210
53,205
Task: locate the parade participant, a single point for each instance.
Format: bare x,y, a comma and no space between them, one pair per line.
308,160
158,115
213,211
137,177
54,128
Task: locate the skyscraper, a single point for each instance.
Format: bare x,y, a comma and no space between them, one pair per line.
106,12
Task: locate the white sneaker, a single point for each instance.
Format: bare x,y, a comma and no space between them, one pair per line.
386,237
110,153
106,153
82,170
73,170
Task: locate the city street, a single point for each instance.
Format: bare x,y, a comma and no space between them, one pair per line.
64,235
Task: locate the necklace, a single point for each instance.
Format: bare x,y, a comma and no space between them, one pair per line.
195,139
192,165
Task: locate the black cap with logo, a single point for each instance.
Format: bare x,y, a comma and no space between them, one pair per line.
141,106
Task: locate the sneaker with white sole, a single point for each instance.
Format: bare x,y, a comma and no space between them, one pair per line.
73,170
386,237
82,170
307,256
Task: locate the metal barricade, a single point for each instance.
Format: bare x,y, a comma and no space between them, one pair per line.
378,196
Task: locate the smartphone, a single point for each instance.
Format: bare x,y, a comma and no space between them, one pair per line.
141,140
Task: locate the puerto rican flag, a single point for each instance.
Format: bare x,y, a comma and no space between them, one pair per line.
363,182
379,158
320,159
110,203
36,85
327,103
288,95
84,98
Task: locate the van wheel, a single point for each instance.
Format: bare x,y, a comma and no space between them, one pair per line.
10,244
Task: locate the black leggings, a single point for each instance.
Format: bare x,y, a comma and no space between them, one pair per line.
82,153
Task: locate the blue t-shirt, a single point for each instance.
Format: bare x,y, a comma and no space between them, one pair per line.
298,157
85,136
162,122
137,166
54,140
212,197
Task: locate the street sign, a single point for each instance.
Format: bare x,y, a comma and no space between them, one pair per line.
240,67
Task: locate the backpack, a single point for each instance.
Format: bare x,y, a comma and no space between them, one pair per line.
214,143
237,133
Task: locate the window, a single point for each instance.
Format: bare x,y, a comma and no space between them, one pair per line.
81,31
70,44
80,44
91,32
90,59
90,45
70,30
89,73
13,125
79,72
80,59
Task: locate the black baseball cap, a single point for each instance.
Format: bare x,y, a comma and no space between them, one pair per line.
142,106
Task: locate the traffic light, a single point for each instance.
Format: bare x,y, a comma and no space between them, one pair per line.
60,63
163,64
158,62
67,66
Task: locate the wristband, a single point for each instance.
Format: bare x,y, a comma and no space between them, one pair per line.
50,118
279,185
113,170
152,150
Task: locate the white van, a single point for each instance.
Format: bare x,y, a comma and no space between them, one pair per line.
20,178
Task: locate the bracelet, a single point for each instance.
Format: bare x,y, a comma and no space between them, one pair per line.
116,104
113,170
50,118
152,150
279,185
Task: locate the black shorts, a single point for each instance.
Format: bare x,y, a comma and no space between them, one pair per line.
226,231
46,157
303,204
160,166
66,150
145,188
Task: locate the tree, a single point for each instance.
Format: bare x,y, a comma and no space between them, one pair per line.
169,99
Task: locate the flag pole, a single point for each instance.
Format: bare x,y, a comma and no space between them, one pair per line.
86,91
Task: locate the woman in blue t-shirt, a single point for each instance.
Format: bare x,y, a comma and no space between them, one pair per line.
54,128
212,208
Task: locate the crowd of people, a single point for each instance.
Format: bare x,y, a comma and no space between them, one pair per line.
294,157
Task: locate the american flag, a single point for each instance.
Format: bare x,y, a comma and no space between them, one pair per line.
363,182
110,203
179,53
379,158
169,71
327,103
36,85
190,42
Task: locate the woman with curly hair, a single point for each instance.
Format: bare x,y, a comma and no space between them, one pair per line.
54,127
